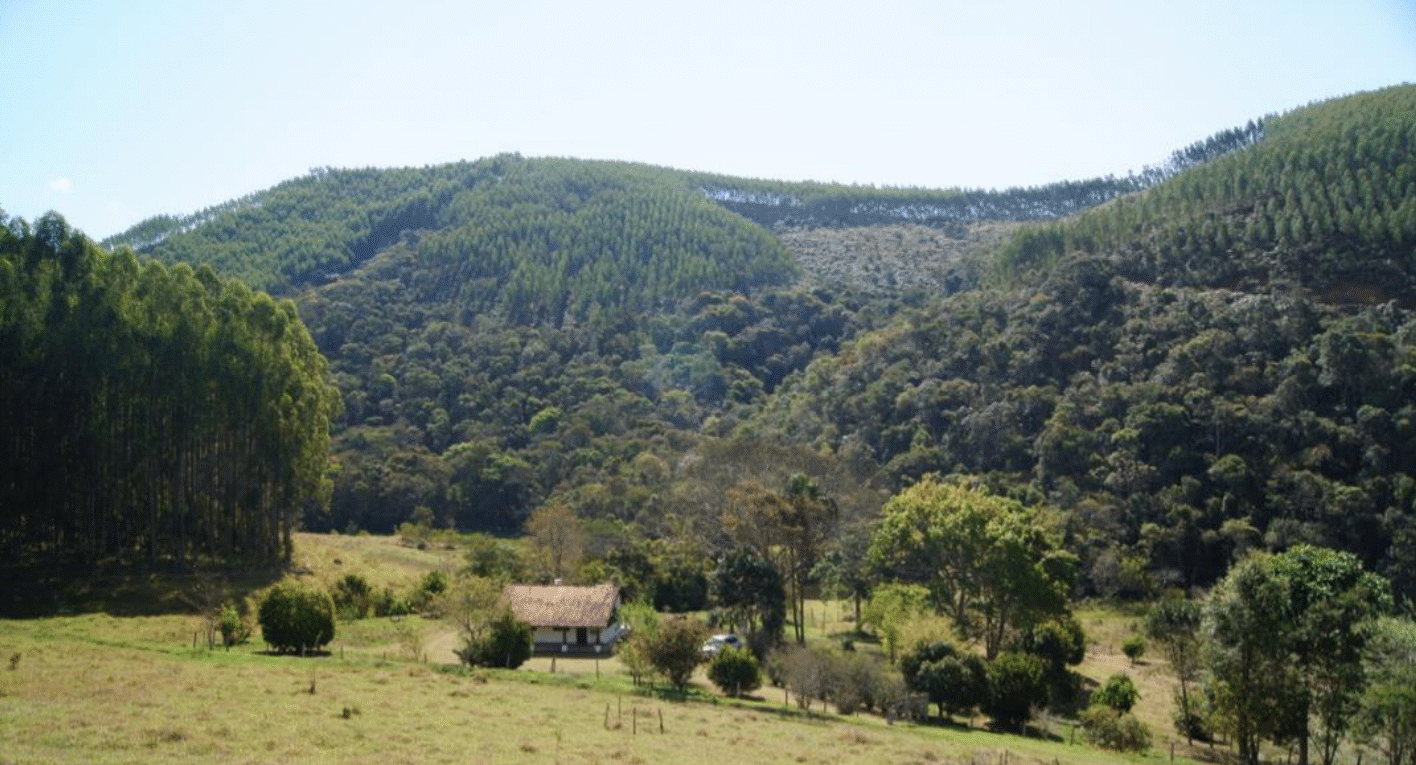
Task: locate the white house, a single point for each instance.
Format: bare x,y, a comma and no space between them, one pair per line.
581,621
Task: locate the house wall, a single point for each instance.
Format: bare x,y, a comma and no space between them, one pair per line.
558,636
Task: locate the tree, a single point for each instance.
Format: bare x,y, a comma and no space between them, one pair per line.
986,560
641,622
1017,684
1118,692
891,606
1288,632
1174,623
790,528
955,680
295,617
1060,643
558,539
845,570
749,590
473,605
676,649
1388,714
1134,647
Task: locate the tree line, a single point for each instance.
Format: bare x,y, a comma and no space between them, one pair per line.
150,414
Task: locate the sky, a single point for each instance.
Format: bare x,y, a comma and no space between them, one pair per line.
112,112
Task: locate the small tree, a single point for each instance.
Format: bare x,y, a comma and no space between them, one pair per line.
1134,647
1119,693
735,671
235,625
641,622
294,617
890,608
1174,624
1017,683
676,650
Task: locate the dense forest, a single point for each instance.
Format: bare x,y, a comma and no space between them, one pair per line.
151,414
1210,356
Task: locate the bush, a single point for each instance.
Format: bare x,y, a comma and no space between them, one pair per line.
955,680
506,643
1134,647
296,618
1017,683
1119,693
735,671
353,597
860,682
388,603
676,649
1110,729
235,627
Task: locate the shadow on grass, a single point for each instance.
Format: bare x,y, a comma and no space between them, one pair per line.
29,593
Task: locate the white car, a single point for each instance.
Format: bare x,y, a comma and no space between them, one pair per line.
719,642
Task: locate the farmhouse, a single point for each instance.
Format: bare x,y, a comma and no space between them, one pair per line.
568,620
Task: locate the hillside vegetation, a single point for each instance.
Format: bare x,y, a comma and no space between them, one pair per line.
1211,356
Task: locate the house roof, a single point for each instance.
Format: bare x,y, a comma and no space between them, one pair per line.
563,606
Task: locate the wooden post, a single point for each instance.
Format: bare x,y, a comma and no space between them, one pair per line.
194,639
553,664
607,715
634,720
661,723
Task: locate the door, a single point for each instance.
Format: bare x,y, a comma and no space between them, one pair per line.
582,636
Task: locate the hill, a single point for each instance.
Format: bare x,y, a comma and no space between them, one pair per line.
1210,356
1220,363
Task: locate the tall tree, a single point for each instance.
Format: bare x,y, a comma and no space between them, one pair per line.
988,562
1287,636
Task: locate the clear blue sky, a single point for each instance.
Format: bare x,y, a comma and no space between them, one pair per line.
111,112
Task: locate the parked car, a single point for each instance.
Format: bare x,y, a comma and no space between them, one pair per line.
718,642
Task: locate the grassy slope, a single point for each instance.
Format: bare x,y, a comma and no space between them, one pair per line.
104,689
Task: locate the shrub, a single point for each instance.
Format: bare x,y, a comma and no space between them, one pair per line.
857,681
235,628
735,671
388,603
1119,693
1134,647
353,597
1110,729
806,673
1017,683
956,681
505,643
676,649
295,617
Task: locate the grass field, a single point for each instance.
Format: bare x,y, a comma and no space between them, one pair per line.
98,688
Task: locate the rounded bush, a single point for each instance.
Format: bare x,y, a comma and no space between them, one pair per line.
294,617
1107,728
1017,683
1119,693
735,671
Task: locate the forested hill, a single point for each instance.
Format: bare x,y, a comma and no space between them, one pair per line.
1226,361
1326,204
1197,360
